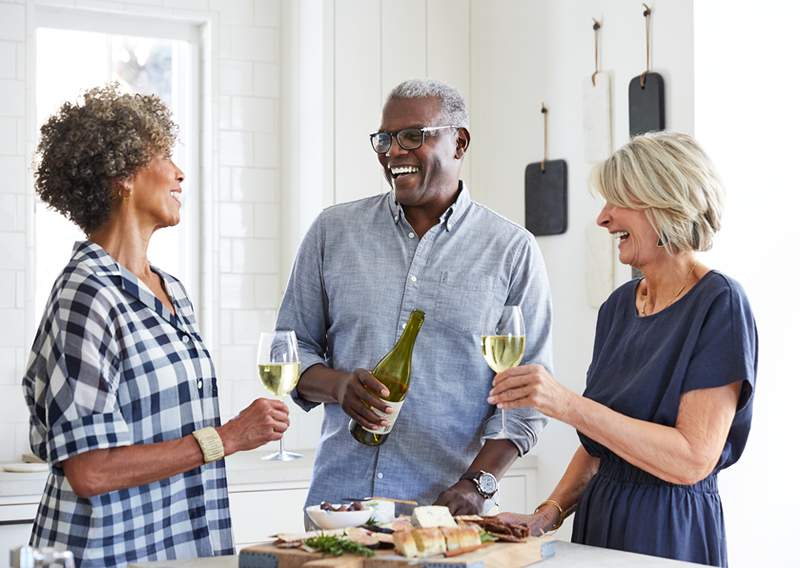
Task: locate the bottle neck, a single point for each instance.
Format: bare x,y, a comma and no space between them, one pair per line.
413,325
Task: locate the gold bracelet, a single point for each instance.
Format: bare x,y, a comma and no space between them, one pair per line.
555,504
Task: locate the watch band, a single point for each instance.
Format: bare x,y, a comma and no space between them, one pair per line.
210,443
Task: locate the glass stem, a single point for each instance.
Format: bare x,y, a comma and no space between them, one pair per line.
280,447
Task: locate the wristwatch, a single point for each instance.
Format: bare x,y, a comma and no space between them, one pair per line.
485,482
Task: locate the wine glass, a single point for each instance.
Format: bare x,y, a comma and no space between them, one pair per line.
502,346
279,371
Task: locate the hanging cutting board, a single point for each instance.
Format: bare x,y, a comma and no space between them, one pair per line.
646,104
597,141
546,198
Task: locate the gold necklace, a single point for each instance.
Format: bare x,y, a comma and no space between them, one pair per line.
641,308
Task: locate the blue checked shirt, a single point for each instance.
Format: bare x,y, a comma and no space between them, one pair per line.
359,272
110,366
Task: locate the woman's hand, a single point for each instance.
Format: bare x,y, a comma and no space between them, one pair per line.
265,420
530,386
358,393
540,522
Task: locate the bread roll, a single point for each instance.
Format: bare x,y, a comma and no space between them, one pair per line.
469,536
405,544
429,542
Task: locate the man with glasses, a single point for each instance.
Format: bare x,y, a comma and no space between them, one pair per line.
360,271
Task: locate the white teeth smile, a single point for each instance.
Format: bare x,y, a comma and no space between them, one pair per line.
621,235
404,170
176,195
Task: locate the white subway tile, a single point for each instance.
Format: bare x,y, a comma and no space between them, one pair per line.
236,148
233,11
22,62
224,113
12,22
9,372
265,150
266,82
7,443
8,290
224,184
256,185
256,114
268,13
255,256
267,224
245,392
224,255
100,5
23,440
12,332
187,4
256,44
250,323
12,404
22,213
225,327
237,363
12,252
60,3
236,77
12,172
8,60
236,291
8,211
12,97
21,289
226,409
8,135
235,220
267,290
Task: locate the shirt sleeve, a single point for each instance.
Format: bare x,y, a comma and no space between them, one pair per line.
727,346
79,376
528,288
304,308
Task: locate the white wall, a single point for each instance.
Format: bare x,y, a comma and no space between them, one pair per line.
242,223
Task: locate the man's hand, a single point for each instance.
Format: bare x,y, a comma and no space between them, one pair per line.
358,393
265,420
462,499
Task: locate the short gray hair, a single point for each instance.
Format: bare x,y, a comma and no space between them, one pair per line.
453,107
672,179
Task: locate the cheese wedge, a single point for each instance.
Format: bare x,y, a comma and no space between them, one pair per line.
432,516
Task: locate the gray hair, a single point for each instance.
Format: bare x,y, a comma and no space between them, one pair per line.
454,109
672,179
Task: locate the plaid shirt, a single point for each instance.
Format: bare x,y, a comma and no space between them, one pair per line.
110,366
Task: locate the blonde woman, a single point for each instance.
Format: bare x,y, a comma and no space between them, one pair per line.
668,399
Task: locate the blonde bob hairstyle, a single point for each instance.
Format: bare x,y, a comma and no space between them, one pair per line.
669,176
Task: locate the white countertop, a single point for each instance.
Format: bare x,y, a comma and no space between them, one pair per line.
245,470
567,555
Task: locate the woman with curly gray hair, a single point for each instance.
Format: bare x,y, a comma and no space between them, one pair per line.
669,392
121,389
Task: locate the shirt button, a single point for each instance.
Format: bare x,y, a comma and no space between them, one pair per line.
396,218
199,384
449,226
413,278
380,475
185,339
411,235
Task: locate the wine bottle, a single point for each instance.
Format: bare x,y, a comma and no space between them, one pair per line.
394,371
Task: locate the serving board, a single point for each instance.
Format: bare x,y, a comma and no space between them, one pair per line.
496,555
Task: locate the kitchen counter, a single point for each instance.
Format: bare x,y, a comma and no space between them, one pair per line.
567,555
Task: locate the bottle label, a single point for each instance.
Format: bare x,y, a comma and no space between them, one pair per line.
389,417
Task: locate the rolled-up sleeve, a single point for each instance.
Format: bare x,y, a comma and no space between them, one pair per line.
305,306
528,288
76,376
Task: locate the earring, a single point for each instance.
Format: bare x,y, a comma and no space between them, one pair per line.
660,243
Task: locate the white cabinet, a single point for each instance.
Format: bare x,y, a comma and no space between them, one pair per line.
16,522
257,512
517,491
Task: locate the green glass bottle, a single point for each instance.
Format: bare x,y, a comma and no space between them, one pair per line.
394,371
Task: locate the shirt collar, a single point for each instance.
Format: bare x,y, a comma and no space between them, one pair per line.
97,260
450,217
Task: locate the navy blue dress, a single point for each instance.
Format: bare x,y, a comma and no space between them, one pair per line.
640,367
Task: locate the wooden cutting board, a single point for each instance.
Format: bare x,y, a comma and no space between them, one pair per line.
497,555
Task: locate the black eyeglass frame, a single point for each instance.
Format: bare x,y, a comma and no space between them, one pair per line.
394,136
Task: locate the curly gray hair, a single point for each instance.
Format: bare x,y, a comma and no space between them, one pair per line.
454,109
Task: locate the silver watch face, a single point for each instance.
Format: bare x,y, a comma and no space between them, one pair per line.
487,484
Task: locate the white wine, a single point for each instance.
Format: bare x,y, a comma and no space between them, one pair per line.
502,351
279,378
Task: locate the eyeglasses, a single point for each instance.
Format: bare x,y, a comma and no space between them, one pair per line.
407,138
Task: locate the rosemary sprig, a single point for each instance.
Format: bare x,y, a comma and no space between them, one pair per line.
336,546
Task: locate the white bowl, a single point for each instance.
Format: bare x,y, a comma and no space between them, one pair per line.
337,519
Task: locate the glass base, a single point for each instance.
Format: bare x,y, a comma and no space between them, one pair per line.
283,456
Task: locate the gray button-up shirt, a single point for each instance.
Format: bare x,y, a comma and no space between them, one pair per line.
359,273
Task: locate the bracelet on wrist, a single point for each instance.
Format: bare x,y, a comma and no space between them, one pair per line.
554,503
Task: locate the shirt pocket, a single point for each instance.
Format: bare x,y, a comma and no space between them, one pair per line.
464,299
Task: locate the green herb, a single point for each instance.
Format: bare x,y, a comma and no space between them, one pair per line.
336,546
371,522
487,537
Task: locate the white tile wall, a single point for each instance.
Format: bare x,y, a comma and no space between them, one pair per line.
247,199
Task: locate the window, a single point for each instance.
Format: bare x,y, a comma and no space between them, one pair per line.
76,51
